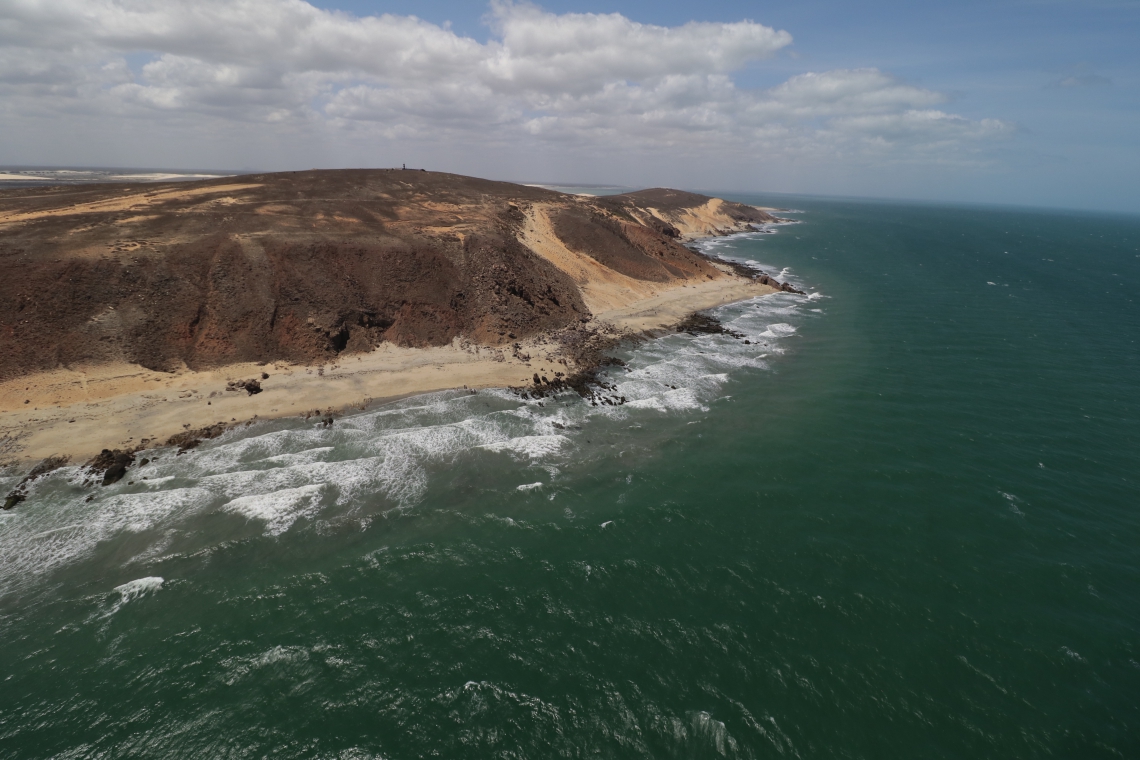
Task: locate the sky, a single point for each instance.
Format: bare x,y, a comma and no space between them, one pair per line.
1026,102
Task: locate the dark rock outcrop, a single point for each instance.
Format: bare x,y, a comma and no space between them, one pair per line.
20,492
110,465
192,438
705,324
252,386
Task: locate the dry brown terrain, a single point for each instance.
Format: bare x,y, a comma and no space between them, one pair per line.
126,303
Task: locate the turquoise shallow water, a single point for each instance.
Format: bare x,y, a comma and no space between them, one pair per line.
901,522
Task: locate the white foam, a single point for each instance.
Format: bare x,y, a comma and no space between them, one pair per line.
279,509
681,373
708,729
280,654
778,330
302,457
132,590
652,402
139,587
531,446
239,667
681,399
44,535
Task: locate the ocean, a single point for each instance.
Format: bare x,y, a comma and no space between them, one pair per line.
898,518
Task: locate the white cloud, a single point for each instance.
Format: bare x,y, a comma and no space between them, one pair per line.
1086,80
842,92
571,79
579,52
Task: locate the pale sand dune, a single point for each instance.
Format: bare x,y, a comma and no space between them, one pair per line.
602,288
80,412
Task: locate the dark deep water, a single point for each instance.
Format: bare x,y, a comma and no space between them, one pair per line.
903,522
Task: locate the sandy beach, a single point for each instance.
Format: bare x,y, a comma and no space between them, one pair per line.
80,411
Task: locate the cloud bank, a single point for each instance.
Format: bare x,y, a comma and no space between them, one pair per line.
598,81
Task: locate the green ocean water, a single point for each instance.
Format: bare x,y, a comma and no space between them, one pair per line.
902,521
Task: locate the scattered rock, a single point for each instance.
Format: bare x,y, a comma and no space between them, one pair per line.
587,349
251,386
785,287
191,438
704,324
20,492
111,464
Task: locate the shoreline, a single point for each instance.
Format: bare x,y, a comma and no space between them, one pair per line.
79,412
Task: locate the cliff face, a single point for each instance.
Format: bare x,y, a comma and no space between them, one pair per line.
303,266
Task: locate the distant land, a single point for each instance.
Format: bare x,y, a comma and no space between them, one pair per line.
132,314
22,176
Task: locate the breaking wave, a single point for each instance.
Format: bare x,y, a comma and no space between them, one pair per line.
283,475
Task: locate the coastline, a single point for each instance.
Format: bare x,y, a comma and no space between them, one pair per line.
78,412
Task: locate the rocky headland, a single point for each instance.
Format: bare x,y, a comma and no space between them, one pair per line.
133,315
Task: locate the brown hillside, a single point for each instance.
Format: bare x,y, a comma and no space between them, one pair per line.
303,266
